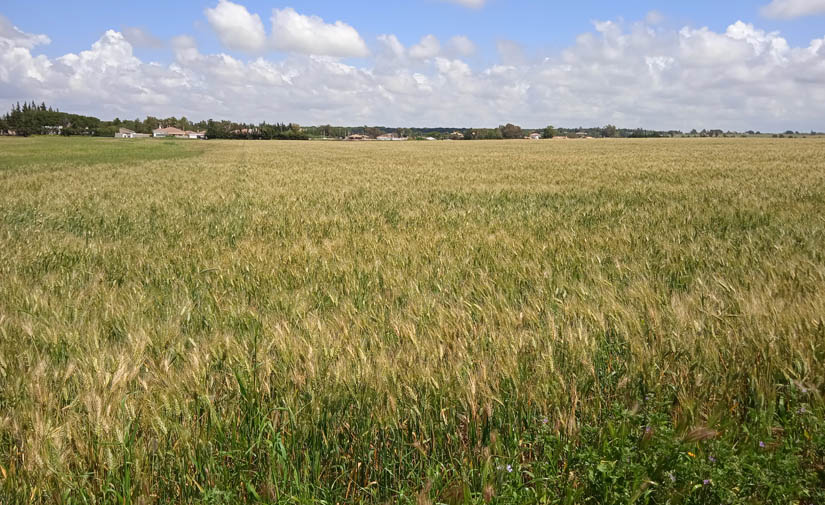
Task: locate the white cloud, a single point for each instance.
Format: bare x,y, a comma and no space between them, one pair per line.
141,37
185,48
296,32
14,35
236,28
461,46
629,75
510,52
428,47
654,17
788,9
391,46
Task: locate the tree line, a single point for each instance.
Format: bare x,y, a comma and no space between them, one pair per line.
32,119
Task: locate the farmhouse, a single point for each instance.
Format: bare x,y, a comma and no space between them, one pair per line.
125,133
169,131
535,136
390,137
356,136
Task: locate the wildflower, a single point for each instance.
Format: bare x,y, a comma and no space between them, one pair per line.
691,454
648,429
711,459
801,410
706,482
762,444
509,468
672,477
545,420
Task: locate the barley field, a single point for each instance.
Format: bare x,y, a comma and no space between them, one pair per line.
554,322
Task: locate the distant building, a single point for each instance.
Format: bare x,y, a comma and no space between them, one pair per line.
125,133
169,131
356,136
457,135
390,137
535,136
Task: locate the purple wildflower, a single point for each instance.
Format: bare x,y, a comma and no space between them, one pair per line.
711,459
545,421
706,482
761,444
509,468
801,410
672,477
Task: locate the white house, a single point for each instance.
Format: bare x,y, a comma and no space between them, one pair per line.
125,133
535,136
169,131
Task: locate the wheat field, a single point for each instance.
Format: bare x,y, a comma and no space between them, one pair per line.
594,321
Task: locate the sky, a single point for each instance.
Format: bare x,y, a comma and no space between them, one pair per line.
731,65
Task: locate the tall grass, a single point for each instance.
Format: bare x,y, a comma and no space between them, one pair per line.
546,322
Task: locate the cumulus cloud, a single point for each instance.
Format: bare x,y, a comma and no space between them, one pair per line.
17,37
788,9
142,37
428,47
510,52
627,74
236,27
461,46
391,46
240,30
654,17
292,31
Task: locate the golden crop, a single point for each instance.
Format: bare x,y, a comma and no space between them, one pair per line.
166,303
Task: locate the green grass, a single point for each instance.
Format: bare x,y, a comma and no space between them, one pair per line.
19,155
567,322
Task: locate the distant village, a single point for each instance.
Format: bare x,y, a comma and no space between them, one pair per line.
32,119
170,131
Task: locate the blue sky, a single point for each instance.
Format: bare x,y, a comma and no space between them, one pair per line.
74,26
537,52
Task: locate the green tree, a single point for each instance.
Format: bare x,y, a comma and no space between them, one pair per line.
549,132
610,131
151,123
511,131
373,132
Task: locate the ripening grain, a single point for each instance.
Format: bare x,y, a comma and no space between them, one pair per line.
242,322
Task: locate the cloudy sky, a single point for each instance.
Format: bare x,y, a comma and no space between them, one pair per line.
734,64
